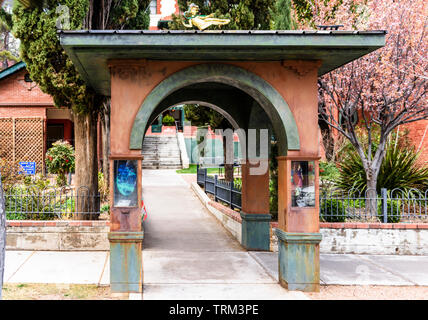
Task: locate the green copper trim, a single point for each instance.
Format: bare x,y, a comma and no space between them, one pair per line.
298,260
272,102
255,232
255,216
126,265
298,237
90,50
122,236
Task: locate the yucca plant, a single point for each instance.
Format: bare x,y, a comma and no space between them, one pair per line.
400,169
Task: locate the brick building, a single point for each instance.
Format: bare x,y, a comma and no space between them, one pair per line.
29,121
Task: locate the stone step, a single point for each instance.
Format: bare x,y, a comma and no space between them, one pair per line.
161,152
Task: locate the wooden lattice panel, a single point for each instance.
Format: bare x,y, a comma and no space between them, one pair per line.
29,141
6,139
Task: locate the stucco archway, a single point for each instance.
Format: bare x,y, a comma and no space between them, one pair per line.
261,91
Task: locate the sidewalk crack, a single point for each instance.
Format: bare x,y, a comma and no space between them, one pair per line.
20,266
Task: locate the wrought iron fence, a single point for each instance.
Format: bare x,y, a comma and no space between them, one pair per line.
389,207
34,203
338,206
224,191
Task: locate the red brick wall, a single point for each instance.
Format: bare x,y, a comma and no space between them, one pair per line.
22,112
14,90
419,136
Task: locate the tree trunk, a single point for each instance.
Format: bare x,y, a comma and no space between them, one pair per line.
371,193
86,172
105,123
2,236
228,157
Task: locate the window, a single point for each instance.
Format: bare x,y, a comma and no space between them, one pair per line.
27,78
153,7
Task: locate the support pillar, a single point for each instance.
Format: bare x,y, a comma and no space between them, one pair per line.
126,235
126,264
255,206
298,220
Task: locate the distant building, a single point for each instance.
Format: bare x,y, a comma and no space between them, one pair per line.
161,11
29,121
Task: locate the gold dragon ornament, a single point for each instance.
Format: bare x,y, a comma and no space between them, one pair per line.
199,21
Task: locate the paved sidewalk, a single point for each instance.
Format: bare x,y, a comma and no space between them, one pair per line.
353,269
93,268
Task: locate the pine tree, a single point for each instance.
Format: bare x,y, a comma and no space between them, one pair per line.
282,14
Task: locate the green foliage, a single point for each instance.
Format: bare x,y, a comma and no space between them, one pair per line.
130,14
46,60
6,54
400,169
5,19
29,203
332,210
282,14
60,160
244,14
105,208
204,116
328,171
168,120
103,187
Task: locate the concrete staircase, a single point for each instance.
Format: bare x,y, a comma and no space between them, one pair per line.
161,152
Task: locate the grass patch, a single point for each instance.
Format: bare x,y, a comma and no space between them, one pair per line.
32,291
192,169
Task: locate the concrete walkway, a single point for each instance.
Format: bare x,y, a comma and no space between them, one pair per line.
189,255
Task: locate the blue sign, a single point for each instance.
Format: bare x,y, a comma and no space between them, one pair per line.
29,167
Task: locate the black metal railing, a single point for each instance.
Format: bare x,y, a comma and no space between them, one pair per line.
33,203
224,191
388,206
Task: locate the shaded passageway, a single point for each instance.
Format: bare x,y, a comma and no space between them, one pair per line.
187,254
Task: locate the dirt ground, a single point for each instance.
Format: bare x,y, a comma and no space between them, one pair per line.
370,293
93,292
55,292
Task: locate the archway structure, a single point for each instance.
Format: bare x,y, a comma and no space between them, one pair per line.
145,71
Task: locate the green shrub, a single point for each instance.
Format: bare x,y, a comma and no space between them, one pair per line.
393,211
332,210
400,168
168,120
60,160
27,203
105,208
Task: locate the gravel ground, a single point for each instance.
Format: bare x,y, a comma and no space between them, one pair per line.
370,293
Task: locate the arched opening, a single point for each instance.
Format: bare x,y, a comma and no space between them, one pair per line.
273,104
247,102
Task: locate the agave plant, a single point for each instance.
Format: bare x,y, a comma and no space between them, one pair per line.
400,169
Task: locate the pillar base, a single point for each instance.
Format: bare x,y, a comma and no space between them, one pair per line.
255,231
126,264
299,260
